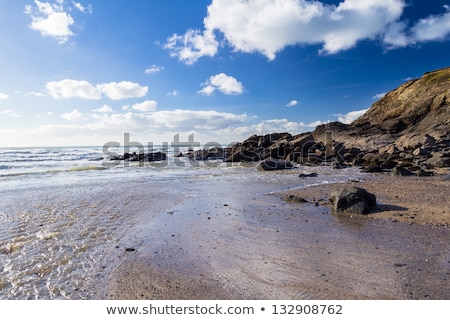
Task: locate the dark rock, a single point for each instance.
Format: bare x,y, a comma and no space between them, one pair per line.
371,169
308,175
295,199
130,249
352,200
271,164
401,171
423,173
438,160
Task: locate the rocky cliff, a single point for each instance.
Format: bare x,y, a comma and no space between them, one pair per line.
407,131
420,106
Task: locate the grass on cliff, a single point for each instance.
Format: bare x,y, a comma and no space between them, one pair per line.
438,75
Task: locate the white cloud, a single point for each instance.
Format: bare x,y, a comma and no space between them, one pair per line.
9,113
174,93
269,26
292,103
104,109
224,83
35,94
75,115
146,106
154,69
82,8
157,127
67,88
4,96
436,27
378,96
193,45
122,90
50,20
351,116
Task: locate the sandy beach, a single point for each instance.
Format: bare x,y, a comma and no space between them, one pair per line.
267,248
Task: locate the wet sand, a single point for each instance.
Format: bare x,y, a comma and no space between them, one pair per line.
235,247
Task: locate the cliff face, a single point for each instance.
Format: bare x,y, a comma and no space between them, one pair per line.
420,106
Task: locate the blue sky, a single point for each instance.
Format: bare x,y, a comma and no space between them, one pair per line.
86,72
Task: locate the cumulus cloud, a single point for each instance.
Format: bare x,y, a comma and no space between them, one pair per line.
436,27
146,106
122,90
224,83
51,19
75,115
4,96
68,88
351,116
154,69
292,103
269,26
104,109
193,45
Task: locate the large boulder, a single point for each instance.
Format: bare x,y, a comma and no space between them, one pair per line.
271,164
352,200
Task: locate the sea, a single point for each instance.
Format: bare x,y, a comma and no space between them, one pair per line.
65,211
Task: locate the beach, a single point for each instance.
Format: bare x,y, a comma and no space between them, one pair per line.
73,228
230,246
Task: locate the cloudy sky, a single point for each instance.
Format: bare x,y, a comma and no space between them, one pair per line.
85,72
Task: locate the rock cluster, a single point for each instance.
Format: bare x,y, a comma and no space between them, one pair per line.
141,157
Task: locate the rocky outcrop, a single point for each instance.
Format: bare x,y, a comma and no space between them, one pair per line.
409,128
141,157
419,106
352,200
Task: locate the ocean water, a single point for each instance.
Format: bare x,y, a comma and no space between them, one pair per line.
64,212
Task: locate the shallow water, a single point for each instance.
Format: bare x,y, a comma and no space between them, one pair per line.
60,223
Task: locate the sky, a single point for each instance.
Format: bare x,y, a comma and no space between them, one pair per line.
85,72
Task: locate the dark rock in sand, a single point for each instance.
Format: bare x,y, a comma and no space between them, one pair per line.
400,171
295,199
271,164
352,200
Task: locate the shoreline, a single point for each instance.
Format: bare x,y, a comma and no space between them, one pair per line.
267,248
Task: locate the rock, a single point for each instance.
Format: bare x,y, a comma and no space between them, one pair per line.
372,169
423,173
295,199
308,175
352,200
438,160
401,171
271,164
